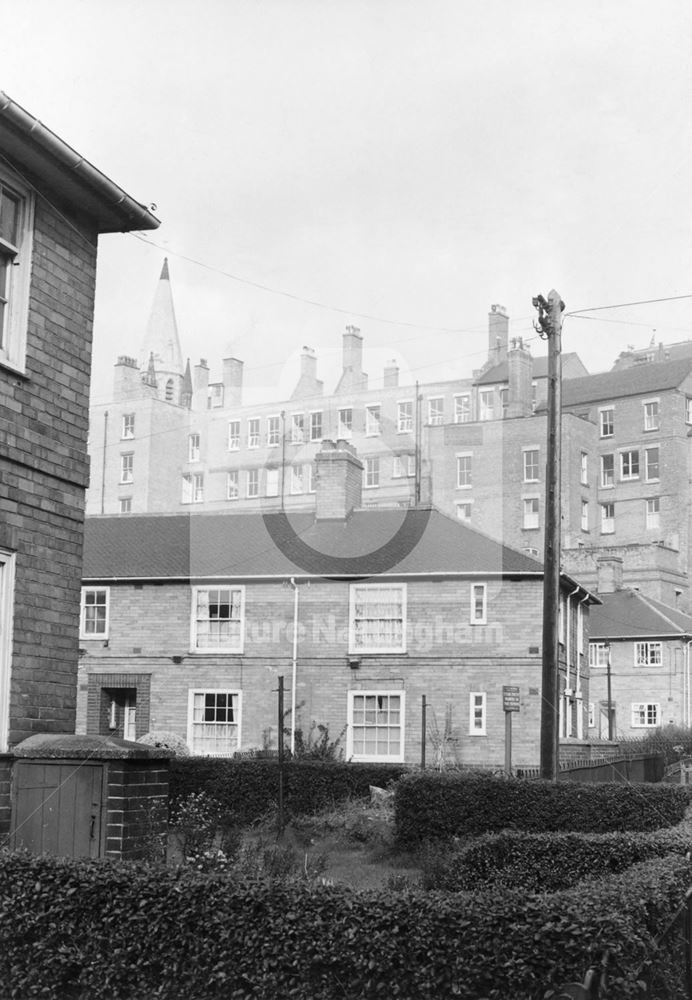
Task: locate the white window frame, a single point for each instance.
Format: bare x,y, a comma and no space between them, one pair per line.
585,515
252,484
15,317
373,419
688,409
371,479
125,505
297,483
464,509
232,485
653,513
628,459
127,467
7,584
607,521
584,468
345,427
271,481
462,408
606,424
273,431
403,466
531,465
650,465
309,476
598,654
234,646
351,723
404,416
531,513
591,720
356,647
297,428
127,428
192,487
465,470
478,604
237,703
478,713
316,425
101,633
648,654
486,404
254,432
436,411
645,715
215,395
193,447
234,435
608,475
652,414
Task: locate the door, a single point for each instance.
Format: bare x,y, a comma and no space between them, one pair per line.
57,808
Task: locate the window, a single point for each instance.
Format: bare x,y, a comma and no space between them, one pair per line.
125,505
272,483
16,225
477,713
217,619
94,618
462,409
645,714
193,487
128,426
252,484
464,471
585,515
170,388
485,404
127,463
193,448
345,422
530,465
598,654
310,476
372,420
296,479
377,618
651,415
584,466
372,473
479,599
215,396
504,398
607,518
653,514
273,431
531,513
562,620
297,428
316,425
436,411
403,466
376,725
629,464
404,421
651,464
253,432
214,722
607,470
232,487
648,654
688,410
233,435
607,421
592,716
464,509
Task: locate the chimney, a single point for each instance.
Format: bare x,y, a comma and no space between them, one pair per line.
338,480
127,380
353,376
232,381
498,332
609,570
391,374
308,383
520,366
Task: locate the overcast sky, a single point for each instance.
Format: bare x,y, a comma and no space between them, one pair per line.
409,160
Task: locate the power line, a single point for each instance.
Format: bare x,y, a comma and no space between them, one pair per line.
623,305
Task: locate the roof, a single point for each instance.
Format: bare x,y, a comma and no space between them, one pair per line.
628,614
26,140
500,373
634,381
393,541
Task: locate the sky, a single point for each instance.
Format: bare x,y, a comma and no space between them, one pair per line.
399,165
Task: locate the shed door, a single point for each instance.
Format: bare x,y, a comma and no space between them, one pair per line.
57,808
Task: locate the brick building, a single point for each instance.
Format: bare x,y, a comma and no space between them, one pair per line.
53,206
645,647
189,619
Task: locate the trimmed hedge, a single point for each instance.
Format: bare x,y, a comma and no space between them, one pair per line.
439,806
250,788
545,862
74,930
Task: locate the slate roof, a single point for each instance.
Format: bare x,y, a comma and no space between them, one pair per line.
394,541
500,373
634,381
627,614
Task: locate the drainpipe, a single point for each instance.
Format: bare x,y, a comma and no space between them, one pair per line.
568,653
577,689
103,467
686,706
294,666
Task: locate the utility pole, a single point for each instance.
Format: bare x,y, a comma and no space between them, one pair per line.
549,327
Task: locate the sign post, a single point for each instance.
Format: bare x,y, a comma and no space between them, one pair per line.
510,703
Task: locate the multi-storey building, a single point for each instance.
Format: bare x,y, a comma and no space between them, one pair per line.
53,206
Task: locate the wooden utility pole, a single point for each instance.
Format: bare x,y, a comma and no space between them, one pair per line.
549,327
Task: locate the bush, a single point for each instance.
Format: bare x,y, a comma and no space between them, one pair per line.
115,931
434,806
543,862
250,788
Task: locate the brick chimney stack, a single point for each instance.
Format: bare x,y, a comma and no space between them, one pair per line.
232,381
353,376
520,367
609,574
338,480
391,374
308,384
498,333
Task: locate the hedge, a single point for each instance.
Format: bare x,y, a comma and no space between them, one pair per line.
74,930
544,862
439,806
250,788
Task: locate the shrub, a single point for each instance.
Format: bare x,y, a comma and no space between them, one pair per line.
166,740
433,806
116,931
543,862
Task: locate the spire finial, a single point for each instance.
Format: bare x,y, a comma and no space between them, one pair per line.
164,270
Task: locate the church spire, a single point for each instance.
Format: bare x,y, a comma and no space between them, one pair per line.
161,338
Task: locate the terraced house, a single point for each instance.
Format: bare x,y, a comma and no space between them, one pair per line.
189,620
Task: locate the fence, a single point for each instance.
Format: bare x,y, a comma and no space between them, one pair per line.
625,769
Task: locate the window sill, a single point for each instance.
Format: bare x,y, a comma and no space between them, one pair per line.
15,369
